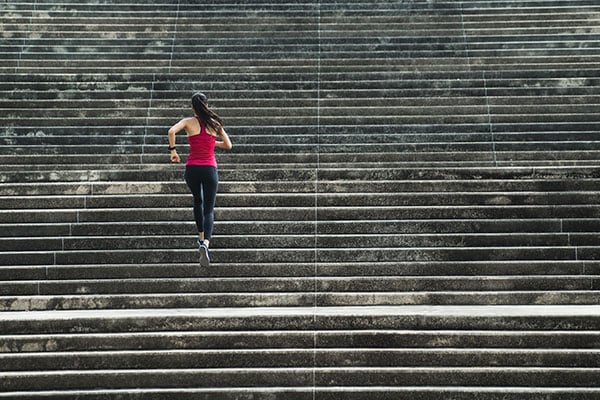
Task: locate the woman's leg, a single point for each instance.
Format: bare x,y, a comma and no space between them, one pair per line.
210,186
193,178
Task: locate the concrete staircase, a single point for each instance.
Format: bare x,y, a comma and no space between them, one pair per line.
410,210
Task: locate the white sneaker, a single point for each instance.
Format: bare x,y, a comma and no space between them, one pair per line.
204,255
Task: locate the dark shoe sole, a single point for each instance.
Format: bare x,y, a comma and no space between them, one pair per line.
204,257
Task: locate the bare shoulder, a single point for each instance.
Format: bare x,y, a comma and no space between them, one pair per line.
188,120
192,126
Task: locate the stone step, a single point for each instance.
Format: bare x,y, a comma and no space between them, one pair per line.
267,269
581,93
400,39
478,91
288,113
280,241
255,23
10,65
277,52
246,142
309,12
384,4
498,113
302,339
311,144
426,79
520,149
527,182
286,18
392,231
258,242
294,358
268,377
301,255
451,40
304,200
326,156
325,393
174,173
486,35
465,226
166,107
358,214
520,64
307,160
481,159
351,285
302,45
359,5
514,59
33,302
171,100
528,318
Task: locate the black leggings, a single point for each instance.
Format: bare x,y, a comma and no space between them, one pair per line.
203,182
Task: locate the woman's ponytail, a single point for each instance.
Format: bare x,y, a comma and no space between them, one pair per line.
207,116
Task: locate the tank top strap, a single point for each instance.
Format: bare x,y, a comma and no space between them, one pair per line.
202,126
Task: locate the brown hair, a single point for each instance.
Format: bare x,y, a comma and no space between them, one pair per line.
208,117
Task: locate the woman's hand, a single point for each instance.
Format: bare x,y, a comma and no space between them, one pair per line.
172,132
175,157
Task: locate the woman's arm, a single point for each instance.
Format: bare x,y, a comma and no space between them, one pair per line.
178,127
225,144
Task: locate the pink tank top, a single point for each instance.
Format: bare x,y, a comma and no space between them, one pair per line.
202,148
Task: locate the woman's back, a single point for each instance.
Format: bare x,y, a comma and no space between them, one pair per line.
202,148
